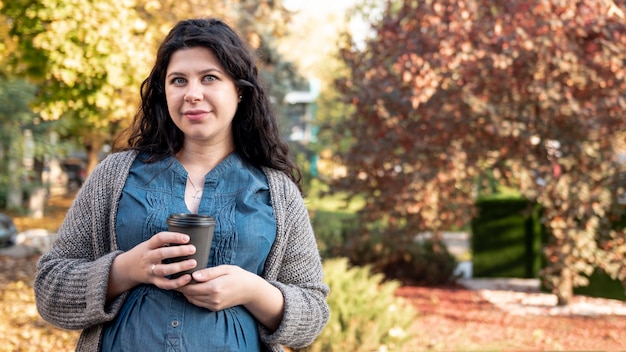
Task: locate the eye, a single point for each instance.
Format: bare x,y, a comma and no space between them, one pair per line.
178,81
209,78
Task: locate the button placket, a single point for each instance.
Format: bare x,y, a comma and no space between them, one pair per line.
174,328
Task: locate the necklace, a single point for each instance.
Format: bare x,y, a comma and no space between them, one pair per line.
197,196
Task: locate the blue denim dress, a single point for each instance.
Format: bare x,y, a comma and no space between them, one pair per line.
152,319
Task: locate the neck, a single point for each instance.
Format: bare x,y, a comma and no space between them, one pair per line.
199,161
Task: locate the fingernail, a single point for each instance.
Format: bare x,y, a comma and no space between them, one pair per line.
185,238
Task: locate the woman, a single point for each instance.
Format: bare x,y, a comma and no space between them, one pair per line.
204,141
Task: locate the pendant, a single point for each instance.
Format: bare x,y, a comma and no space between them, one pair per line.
196,197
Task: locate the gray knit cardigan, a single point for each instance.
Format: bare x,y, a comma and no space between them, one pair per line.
71,282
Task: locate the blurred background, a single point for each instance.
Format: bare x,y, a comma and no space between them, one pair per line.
439,139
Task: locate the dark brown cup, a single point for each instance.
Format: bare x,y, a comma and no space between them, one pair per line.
200,230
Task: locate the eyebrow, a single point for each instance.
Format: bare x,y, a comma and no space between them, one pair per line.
202,72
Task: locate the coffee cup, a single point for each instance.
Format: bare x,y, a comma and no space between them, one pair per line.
200,229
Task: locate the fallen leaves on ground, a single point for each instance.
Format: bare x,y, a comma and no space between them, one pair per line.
451,318
21,327
456,319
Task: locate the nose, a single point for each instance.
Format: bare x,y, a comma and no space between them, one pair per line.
194,92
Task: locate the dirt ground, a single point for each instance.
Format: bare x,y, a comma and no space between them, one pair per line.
451,319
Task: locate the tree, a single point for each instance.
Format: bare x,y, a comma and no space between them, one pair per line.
88,58
14,113
532,91
24,143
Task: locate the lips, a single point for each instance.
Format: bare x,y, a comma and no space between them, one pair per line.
195,114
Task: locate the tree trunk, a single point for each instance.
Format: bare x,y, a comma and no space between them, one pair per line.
93,149
37,202
15,199
565,288
38,193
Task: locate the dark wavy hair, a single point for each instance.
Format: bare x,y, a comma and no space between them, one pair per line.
255,129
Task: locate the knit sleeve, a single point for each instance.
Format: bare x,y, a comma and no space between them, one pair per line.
72,278
294,266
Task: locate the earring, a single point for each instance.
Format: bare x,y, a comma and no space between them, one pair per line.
241,96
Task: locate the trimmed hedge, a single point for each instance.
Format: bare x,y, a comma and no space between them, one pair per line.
601,285
506,238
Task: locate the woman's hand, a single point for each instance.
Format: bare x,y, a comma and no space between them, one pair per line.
227,286
144,264
219,287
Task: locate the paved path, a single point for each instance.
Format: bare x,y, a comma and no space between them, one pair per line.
30,242
524,297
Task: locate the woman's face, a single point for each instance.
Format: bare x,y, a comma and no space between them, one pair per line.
201,97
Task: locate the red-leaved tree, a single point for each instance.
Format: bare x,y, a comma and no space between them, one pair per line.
531,91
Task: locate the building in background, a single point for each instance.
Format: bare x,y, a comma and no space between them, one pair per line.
301,109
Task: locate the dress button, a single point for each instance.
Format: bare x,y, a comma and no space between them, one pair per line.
175,323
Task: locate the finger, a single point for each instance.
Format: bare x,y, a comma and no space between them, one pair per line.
202,275
173,268
166,238
172,284
211,273
176,251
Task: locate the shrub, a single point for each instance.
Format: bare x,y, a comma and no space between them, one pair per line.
366,315
424,263
416,262
331,229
